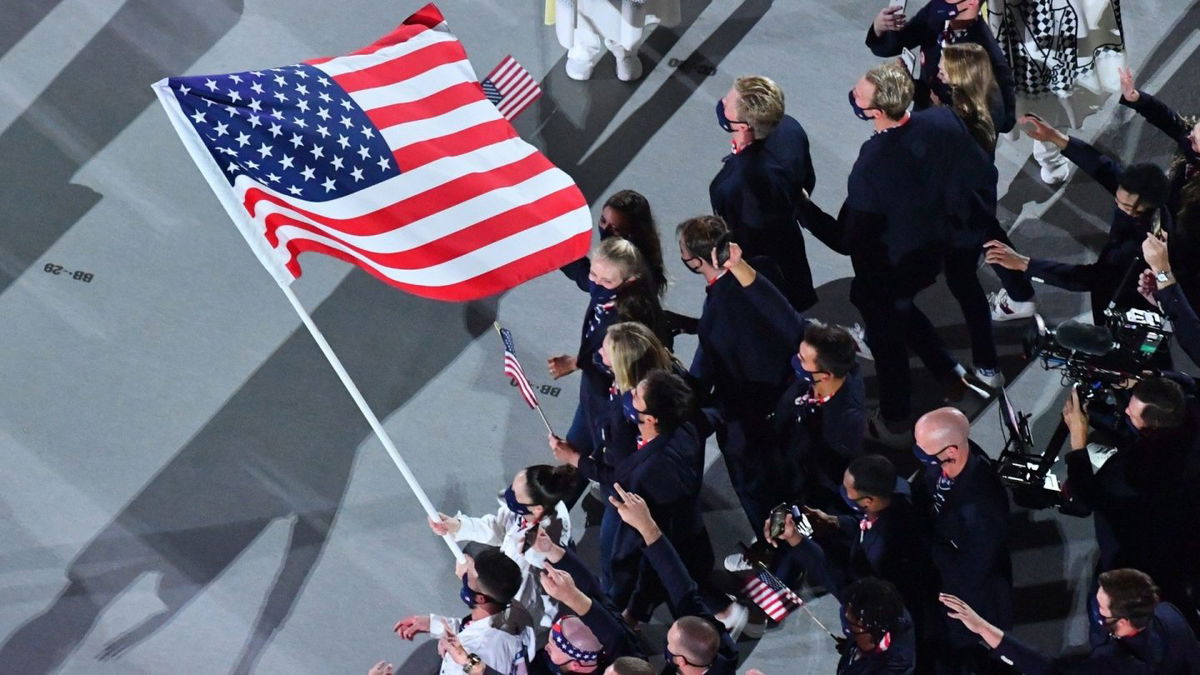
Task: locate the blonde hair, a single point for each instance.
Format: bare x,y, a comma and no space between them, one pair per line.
893,89
623,255
760,103
634,351
972,83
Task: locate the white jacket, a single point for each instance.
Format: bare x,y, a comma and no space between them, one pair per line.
508,531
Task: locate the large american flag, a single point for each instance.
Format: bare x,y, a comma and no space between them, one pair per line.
512,368
771,594
390,158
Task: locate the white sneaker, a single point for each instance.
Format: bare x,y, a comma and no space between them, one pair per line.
860,341
629,67
990,377
1056,175
1005,308
737,562
579,70
735,619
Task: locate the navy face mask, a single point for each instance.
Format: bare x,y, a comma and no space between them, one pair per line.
944,10
510,500
854,506
801,373
598,361
627,408
927,460
721,118
466,594
601,295
860,113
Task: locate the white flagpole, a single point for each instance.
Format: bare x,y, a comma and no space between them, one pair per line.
215,177
371,418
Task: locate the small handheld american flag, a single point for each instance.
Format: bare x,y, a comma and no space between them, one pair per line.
771,594
511,88
512,368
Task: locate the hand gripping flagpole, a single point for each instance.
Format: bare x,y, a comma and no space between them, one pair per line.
371,419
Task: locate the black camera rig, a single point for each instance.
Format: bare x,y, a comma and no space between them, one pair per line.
1098,361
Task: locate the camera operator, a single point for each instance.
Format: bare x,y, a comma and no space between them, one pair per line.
1158,284
966,508
1140,193
1142,497
1143,635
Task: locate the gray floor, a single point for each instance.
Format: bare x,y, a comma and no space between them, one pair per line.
183,484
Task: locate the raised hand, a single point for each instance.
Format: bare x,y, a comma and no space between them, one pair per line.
889,18
1128,90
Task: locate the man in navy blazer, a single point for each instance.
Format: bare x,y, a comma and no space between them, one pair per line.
1144,634
965,508
762,180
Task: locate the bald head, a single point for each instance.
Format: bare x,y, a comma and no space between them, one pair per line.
943,435
942,427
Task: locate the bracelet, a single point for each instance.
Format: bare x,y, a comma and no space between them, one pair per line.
472,661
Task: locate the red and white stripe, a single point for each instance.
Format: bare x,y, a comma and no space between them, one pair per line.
519,88
475,210
777,604
512,368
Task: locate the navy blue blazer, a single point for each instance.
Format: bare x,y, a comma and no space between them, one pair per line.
968,541
742,363
757,191
911,187
1121,250
667,473
1166,647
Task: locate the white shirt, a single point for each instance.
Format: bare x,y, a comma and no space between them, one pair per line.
500,650
508,530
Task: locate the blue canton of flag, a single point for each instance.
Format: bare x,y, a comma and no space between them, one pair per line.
290,128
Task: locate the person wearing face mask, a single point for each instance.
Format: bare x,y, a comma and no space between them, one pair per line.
1137,496
879,631
1142,633
618,291
880,538
626,214
697,643
497,633
965,509
916,177
667,466
632,351
936,25
1140,192
762,180
741,364
533,501
1183,197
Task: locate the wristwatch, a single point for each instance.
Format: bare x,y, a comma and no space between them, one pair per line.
472,661
1162,276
